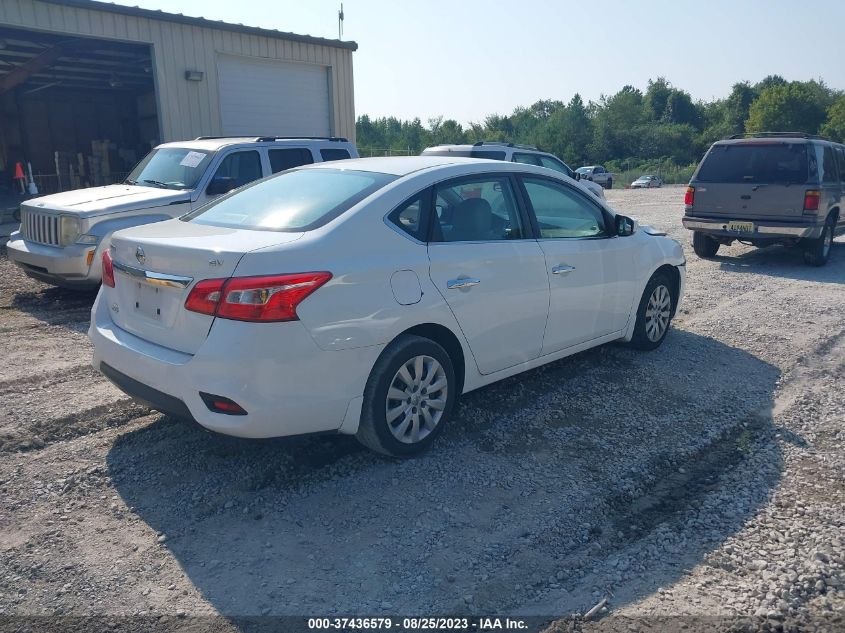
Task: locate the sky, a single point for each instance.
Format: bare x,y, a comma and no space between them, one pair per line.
466,59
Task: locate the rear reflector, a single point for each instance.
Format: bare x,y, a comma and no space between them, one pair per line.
811,200
108,269
689,197
219,404
265,298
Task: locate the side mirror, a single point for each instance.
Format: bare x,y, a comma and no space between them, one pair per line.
577,176
221,185
625,226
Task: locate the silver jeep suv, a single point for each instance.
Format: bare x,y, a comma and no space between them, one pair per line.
768,188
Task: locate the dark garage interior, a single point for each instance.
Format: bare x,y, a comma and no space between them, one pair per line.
81,111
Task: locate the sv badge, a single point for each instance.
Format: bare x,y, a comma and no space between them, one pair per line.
215,262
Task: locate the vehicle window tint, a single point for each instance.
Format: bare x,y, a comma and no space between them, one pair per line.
482,209
551,163
240,167
295,200
334,154
755,162
288,158
408,217
840,155
527,159
829,174
489,155
562,212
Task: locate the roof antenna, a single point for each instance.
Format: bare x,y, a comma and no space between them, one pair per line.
340,22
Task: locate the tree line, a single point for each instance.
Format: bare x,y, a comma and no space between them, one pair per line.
659,130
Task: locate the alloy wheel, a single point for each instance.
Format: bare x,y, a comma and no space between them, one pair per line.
657,313
416,399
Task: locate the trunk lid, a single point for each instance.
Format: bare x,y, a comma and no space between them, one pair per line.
754,180
157,265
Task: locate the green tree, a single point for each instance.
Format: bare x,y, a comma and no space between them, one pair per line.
794,107
834,128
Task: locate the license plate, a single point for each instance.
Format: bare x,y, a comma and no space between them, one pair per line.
148,301
741,227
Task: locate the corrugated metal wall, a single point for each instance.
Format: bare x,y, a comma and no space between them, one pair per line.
189,108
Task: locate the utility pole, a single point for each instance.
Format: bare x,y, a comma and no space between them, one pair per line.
340,17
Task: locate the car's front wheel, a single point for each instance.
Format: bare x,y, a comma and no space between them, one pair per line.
409,397
610,183
654,314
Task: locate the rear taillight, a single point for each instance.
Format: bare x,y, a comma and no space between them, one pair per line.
108,269
265,298
811,200
689,197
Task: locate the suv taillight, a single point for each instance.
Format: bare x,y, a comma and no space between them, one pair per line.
108,269
689,197
811,200
264,298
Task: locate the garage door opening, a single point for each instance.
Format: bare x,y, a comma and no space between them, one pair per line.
82,111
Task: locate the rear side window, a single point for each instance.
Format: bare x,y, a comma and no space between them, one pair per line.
334,154
297,200
240,167
840,155
475,153
755,163
526,159
282,159
408,217
829,174
477,210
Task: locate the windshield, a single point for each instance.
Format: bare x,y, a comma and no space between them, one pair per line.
756,162
295,200
170,168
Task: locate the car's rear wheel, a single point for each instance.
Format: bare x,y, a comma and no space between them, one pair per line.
704,245
817,251
409,397
654,314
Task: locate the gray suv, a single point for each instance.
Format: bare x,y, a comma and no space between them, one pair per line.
768,188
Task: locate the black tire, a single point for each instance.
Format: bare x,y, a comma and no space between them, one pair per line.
644,338
374,431
610,183
704,245
817,251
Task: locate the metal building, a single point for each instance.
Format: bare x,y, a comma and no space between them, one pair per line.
87,87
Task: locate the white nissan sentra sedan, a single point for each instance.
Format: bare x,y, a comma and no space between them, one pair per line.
365,298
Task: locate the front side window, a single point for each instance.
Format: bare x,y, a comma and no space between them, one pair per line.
840,156
288,158
171,168
477,210
297,200
551,163
239,168
563,213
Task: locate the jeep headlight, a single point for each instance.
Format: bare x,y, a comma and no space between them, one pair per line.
68,229
87,239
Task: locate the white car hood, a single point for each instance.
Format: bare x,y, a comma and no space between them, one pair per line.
106,200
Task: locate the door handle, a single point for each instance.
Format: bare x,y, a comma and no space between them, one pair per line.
562,269
463,282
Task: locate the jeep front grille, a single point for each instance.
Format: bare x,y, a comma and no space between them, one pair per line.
41,228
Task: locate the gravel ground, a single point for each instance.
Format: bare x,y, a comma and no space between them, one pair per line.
705,479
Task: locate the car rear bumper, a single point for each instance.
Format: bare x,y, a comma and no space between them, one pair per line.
765,229
61,266
274,371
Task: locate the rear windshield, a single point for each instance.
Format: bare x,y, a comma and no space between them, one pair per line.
466,153
296,200
757,162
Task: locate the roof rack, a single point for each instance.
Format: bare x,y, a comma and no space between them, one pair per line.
260,139
506,144
778,135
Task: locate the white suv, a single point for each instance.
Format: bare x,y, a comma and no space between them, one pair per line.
62,236
513,153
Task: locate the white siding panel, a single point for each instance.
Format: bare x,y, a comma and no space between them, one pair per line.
266,97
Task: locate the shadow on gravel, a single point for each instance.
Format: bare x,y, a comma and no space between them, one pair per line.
610,471
779,261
